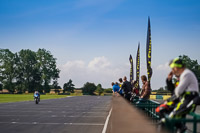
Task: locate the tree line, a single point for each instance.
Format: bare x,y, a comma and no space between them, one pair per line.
27,70
88,88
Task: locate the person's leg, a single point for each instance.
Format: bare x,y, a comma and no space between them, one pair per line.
181,110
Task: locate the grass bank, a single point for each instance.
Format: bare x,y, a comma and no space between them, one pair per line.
5,98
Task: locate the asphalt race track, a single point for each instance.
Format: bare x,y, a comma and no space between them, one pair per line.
82,114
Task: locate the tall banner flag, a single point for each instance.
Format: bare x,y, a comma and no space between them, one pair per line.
131,70
148,51
138,67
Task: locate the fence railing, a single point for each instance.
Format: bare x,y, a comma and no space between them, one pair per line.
149,106
170,123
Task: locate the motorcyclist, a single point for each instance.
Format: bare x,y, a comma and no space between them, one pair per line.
187,91
37,94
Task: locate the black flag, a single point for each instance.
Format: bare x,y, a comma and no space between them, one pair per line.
148,51
131,70
138,67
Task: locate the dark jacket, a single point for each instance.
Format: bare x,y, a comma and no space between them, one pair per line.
126,86
170,86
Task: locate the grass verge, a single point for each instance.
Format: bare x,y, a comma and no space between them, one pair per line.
5,98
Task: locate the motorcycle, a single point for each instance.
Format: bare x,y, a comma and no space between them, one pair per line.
36,98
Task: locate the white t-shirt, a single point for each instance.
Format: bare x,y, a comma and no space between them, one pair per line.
188,83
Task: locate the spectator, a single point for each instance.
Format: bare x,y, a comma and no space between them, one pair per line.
115,88
126,86
120,85
146,90
135,90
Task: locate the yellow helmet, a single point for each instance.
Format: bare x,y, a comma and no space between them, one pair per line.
177,62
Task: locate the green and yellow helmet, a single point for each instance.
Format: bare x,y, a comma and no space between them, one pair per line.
177,62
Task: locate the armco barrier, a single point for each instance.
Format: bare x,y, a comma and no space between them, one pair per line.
159,97
148,106
166,97
153,97
163,97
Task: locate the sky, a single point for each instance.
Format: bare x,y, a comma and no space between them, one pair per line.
93,39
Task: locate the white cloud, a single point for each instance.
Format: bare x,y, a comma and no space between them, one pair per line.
164,67
99,63
72,64
98,70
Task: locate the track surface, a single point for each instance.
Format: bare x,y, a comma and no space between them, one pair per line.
83,114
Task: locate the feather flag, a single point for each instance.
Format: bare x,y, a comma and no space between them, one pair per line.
131,69
149,51
138,67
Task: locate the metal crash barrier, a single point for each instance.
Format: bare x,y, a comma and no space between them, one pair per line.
149,106
194,120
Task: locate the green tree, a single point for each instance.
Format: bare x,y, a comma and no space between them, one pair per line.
69,86
192,65
99,89
48,68
7,69
56,87
109,90
20,86
89,88
1,87
29,70
161,89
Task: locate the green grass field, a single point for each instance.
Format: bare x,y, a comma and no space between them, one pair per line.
5,98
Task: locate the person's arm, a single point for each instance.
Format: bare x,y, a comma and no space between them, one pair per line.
183,84
170,85
142,92
113,90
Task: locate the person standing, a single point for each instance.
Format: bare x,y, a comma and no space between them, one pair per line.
146,89
135,90
126,86
120,85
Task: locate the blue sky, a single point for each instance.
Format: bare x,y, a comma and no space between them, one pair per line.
92,39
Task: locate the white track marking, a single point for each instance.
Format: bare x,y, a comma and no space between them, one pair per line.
106,123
